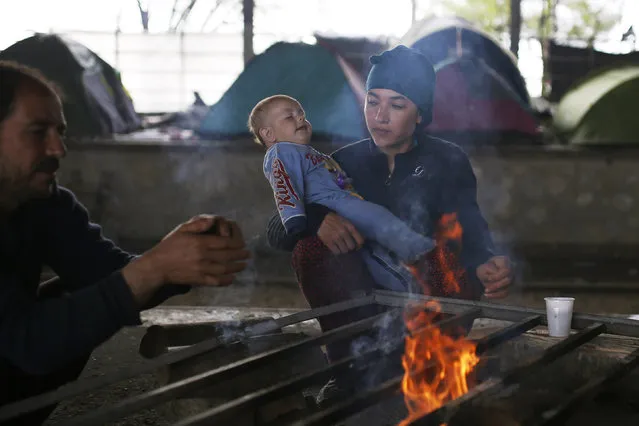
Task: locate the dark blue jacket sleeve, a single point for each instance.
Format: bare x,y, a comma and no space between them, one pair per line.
477,243
279,239
75,248
79,253
41,336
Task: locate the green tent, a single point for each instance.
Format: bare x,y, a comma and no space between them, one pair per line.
601,109
330,91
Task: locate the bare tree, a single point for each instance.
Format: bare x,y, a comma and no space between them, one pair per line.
214,9
173,12
248,7
592,21
589,22
515,26
144,16
183,17
546,31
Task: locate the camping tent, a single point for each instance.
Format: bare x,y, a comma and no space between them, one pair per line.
444,38
330,91
355,51
475,104
568,64
95,102
600,109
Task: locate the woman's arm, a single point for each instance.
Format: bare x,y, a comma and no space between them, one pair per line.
276,233
477,242
337,233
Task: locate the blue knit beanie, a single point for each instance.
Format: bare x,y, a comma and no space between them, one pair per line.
406,71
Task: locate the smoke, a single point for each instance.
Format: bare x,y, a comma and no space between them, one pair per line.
497,200
245,288
200,169
222,178
387,335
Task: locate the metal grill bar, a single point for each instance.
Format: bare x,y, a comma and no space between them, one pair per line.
352,406
348,408
226,411
507,333
621,326
591,326
441,415
83,387
182,387
559,414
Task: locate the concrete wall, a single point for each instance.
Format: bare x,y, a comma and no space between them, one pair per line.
531,196
566,197
140,192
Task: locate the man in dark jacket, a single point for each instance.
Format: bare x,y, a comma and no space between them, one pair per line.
48,332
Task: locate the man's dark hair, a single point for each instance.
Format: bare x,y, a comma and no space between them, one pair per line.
12,76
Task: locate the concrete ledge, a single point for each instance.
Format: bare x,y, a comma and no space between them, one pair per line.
610,150
167,315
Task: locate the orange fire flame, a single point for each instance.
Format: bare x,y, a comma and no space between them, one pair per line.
436,365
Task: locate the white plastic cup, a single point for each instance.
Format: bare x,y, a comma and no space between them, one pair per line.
559,315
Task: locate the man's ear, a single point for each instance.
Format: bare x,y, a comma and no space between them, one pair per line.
419,118
267,134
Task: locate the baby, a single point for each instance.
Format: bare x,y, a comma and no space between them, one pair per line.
301,175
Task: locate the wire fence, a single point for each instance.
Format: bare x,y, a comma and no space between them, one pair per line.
161,71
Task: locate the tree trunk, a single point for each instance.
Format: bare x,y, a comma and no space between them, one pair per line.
515,26
547,30
144,16
413,16
248,7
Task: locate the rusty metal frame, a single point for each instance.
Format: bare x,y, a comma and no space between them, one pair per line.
84,386
352,406
588,326
560,413
298,383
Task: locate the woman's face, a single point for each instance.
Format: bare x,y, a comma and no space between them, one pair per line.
391,118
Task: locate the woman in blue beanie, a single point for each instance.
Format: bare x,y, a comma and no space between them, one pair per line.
417,177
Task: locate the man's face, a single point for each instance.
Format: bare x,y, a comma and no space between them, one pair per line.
391,118
31,145
288,123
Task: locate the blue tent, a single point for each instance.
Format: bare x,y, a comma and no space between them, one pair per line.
444,38
328,89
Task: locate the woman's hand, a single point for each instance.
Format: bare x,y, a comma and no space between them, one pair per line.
496,275
339,235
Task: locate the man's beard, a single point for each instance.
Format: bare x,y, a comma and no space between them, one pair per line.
48,165
16,187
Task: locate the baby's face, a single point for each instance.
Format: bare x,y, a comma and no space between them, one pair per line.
289,123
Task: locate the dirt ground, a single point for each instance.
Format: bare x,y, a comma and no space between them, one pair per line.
122,349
